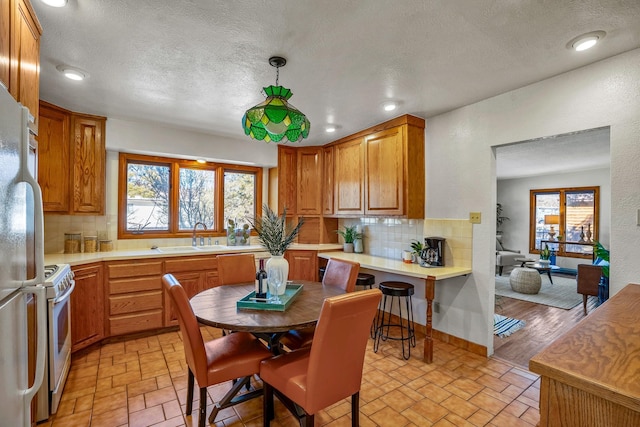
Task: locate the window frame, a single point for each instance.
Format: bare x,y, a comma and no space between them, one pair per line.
175,165
561,248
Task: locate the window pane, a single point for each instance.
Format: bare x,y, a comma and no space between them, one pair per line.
239,197
579,215
147,197
196,198
546,204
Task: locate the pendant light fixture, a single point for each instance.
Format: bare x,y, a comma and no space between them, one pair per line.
275,119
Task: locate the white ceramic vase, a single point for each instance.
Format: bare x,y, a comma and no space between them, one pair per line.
277,274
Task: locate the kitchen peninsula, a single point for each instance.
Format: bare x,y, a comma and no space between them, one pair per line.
430,276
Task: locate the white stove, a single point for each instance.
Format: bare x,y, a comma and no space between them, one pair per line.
57,279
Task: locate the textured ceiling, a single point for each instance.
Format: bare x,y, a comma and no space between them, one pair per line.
199,64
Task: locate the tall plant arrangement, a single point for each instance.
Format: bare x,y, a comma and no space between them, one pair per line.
500,219
274,234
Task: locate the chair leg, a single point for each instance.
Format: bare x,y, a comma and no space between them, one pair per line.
500,270
355,409
189,392
307,420
584,303
267,404
202,414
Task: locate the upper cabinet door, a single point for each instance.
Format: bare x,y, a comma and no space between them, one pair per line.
384,172
89,164
54,159
309,180
25,57
327,180
287,177
5,41
349,177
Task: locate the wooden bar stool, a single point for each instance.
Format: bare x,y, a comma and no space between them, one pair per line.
366,280
396,290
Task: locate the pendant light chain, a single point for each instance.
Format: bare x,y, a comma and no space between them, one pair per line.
277,75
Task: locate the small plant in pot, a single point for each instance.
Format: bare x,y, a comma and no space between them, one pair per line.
349,234
416,247
545,255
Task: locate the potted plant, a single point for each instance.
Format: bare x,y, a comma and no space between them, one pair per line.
545,255
602,259
275,235
349,234
500,219
416,247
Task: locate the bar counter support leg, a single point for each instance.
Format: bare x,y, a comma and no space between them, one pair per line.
429,293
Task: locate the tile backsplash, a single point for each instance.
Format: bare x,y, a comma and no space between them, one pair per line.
384,237
388,237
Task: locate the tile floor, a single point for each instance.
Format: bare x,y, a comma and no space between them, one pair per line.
142,382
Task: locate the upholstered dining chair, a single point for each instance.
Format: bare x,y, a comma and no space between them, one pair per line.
222,359
331,368
236,268
342,274
588,280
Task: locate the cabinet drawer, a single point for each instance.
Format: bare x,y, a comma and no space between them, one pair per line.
178,265
131,303
135,323
135,285
134,269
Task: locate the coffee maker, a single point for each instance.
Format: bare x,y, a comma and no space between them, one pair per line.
433,252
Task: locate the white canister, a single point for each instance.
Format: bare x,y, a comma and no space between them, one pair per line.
406,257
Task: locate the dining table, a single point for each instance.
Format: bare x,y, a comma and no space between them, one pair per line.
217,307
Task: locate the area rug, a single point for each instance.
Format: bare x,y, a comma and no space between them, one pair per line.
561,294
505,326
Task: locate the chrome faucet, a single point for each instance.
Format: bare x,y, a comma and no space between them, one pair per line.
193,237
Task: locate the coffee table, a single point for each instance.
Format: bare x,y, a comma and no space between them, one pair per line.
543,268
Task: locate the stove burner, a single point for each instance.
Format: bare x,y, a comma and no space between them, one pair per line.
49,270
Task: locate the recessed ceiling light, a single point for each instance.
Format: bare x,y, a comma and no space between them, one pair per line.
72,73
330,128
201,161
389,105
585,41
55,3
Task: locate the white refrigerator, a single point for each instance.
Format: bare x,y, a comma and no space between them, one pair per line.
21,219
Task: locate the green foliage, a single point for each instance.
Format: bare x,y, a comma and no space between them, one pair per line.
602,253
349,234
417,247
545,253
500,219
273,232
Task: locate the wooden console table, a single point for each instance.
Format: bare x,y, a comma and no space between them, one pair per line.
589,376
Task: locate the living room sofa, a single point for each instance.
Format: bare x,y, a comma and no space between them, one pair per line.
505,257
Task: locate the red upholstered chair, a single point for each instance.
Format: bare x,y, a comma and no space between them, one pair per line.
331,369
236,268
343,274
223,359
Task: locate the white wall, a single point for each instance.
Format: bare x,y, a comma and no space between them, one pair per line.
460,167
514,196
153,138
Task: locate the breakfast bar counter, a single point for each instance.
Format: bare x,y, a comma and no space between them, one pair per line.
429,275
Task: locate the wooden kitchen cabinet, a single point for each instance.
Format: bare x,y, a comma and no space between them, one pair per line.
380,171
309,179
135,296
71,161
349,178
87,306
303,265
287,179
195,274
327,182
20,34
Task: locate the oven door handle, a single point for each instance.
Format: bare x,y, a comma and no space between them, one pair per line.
66,294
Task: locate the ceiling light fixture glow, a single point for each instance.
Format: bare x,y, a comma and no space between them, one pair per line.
275,119
585,41
390,106
330,128
55,3
72,73
201,161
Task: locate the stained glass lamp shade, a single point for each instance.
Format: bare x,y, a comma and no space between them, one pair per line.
275,118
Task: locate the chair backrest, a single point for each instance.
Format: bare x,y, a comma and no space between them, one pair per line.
236,268
192,338
588,279
343,274
337,352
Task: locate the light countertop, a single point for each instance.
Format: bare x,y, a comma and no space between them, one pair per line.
397,266
86,258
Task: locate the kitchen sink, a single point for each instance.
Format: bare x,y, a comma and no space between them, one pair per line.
174,249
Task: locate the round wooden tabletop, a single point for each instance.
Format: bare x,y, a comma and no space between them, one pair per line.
217,307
